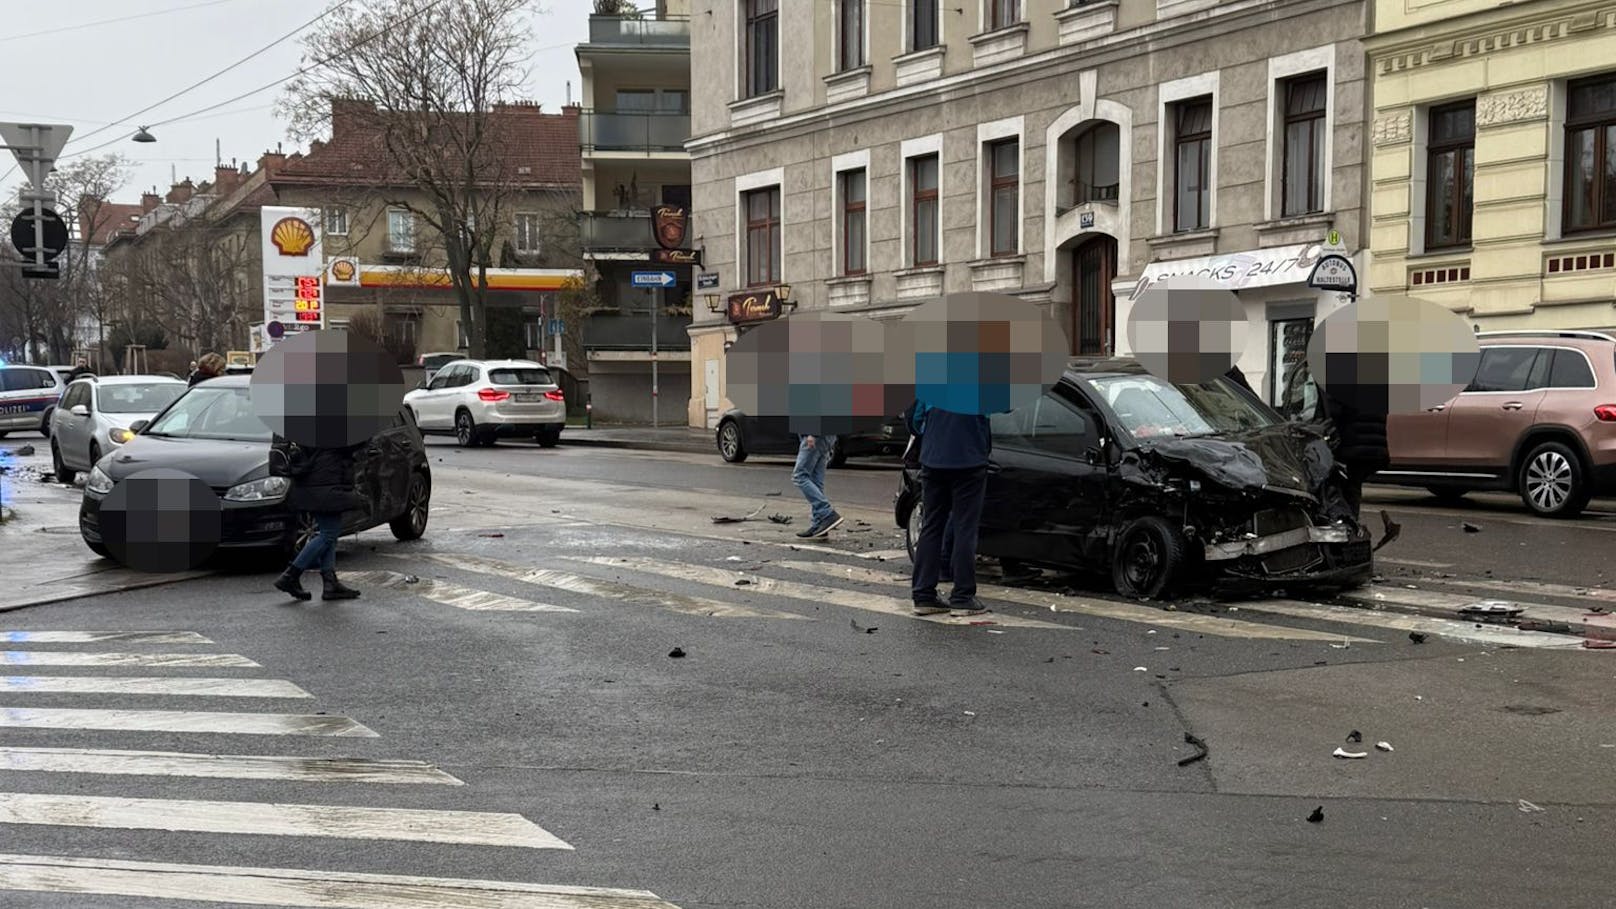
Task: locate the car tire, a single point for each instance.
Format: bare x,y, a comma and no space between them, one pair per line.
838,455
730,446
95,454
467,433
1552,481
64,473
911,530
548,437
44,422
1149,560
303,529
99,549
411,525
1446,494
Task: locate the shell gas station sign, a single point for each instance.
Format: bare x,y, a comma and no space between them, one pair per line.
294,297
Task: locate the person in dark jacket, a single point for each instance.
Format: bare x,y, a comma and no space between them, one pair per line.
322,486
81,368
954,453
1360,440
210,366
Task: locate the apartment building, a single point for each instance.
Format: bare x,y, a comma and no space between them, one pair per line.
1494,137
865,156
631,135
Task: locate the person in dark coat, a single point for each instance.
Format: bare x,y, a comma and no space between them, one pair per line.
954,450
81,368
1360,439
210,366
322,486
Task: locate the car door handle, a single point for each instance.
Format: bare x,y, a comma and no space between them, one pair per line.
1437,409
1514,405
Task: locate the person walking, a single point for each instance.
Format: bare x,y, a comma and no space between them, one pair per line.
813,456
323,487
81,368
954,454
210,366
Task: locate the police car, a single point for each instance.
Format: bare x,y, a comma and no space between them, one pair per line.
26,393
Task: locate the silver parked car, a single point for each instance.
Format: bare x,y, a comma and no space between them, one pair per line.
94,416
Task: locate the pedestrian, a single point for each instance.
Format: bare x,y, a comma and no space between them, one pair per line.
322,487
1360,439
81,368
915,417
954,453
1239,378
210,366
813,456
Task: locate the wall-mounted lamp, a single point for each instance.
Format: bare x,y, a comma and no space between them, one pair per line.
714,302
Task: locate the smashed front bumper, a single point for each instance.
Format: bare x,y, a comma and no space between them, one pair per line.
1253,545
1333,554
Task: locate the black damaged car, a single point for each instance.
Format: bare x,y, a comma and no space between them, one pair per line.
1164,487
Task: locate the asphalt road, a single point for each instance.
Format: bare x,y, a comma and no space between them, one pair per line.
792,757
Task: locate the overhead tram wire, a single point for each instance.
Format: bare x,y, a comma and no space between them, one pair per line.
149,14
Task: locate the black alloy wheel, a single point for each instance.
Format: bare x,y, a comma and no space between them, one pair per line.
1149,559
411,525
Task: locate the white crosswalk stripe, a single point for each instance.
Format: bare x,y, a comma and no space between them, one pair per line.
179,721
451,594
182,687
102,637
222,766
74,658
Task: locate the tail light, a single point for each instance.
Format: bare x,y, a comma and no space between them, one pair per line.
555,396
492,394
1606,413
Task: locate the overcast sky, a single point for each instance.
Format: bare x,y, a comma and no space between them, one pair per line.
88,72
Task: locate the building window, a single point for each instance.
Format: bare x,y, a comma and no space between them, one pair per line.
853,223
762,46
400,231
850,32
762,237
923,203
405,327
1003,13
527,233
1098,158
1590,152
1192,143
923,24
1004,197
636,100
336,220
1450,175
532,329
1302,182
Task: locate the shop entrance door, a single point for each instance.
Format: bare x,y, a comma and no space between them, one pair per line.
1094,308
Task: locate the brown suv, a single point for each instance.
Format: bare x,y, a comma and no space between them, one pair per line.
1539,419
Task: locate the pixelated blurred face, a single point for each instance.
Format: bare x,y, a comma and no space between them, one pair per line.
1393,354
327,389
980,353
161,520
1187,330
817,373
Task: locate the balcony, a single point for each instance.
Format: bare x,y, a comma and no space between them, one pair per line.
648,33
645,132
602,231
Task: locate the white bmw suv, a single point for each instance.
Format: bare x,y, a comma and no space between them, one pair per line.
481,400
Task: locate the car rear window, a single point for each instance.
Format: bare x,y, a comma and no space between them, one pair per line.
19,378
525,375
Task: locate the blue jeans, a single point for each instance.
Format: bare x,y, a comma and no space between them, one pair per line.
809,475
321,549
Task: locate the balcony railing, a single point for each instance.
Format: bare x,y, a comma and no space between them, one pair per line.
637,131
610,232
639,32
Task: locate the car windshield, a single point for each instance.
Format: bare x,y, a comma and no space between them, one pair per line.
1152,408
149,397
212,413
522,375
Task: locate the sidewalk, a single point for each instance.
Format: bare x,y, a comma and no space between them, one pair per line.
665,438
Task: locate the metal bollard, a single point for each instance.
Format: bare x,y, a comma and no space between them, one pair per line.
589,412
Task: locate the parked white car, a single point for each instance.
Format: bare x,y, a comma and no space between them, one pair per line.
94,416
478,401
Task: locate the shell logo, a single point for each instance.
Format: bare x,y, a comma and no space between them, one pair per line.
292,236
343,270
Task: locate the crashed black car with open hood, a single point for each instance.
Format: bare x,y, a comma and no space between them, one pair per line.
1164,487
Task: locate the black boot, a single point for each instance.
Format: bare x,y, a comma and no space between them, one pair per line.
290,582
334,589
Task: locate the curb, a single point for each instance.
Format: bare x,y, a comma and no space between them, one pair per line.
1557,622
690,447
48,599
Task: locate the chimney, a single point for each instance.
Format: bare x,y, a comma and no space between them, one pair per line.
349,114
149,202
270,163
225,179
181,192
571,110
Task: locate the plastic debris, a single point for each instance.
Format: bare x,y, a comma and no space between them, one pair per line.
492,536
1140,669
411,579
1317,817
1384,746
1350,755
1492,608
970,713
862,629
1417,637
677,653
742,582
1199,743
25,451
1355,736
1528,808
734,559
1469,527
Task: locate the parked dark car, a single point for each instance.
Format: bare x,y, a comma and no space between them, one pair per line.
740,436
212,433
1165,487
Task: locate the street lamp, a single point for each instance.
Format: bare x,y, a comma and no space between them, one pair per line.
143,136
714,302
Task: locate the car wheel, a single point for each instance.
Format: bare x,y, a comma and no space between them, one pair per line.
548,437
729,442
838,455
303,530
466,433
99,549
911,531
1552,482
412,523
44,422
64,473
95,454
1149,558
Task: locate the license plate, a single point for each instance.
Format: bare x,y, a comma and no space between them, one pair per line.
527,399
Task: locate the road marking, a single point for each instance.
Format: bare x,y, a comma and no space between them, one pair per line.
1107,609
102,637
885,555
611,590
180,721
453,594
87,684
474,828
66,658
1464,632
1416,563
852,599
1538,588
301,889
222,766
1379,594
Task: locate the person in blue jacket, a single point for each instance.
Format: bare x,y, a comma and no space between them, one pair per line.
917,429
954,451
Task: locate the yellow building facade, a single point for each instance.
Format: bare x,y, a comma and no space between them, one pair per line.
1493,171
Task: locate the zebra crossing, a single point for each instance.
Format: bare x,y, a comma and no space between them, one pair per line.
96,781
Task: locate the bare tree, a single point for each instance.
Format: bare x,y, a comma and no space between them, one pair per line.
432,72
84,186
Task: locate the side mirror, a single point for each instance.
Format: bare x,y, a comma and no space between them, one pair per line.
79,410
138,425
1092,457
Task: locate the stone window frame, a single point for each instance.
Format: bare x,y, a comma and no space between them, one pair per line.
988,135
1281,70
1168,95
840,165
763,179
1427,150
909,150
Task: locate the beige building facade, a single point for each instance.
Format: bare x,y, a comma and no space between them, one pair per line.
1494,133
869,156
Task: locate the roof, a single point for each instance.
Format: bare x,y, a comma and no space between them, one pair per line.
136,380
110,217
540,150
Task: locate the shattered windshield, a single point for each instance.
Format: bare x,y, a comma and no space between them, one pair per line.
1152,408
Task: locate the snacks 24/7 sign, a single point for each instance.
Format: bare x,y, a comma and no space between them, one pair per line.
755,306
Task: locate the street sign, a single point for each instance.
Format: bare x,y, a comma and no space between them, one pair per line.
556,327
36,146
654,279
707,280
1334,272
55,234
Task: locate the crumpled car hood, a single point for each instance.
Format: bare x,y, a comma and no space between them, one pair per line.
1289,457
